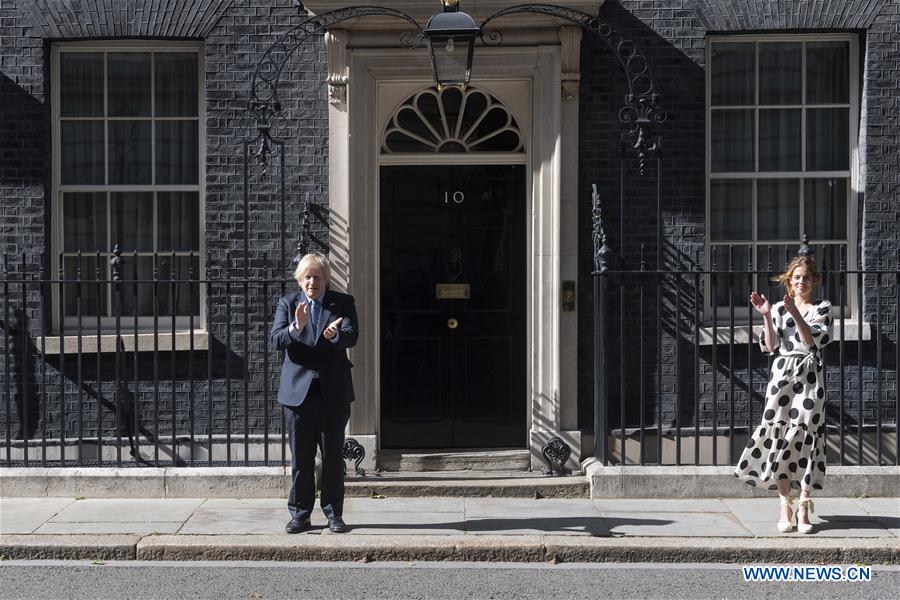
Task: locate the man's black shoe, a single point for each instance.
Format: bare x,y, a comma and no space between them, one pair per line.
337,525
297,526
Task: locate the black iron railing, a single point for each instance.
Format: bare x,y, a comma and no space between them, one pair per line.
110,366
680,375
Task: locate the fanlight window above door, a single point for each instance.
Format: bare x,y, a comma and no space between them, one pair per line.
452,121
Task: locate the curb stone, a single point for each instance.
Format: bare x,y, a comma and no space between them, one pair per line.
460,548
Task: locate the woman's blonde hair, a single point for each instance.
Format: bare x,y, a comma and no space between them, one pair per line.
313,260
799,261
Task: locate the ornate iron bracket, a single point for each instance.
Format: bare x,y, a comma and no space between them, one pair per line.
641,110
639,114
556,452
354,450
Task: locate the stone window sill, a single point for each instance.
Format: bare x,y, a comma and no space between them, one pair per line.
852,333
107,342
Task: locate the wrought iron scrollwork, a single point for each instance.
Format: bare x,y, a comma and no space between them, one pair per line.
556,452
641,110
268,71
265,106
353,450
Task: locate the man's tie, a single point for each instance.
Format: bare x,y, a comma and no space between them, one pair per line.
314,315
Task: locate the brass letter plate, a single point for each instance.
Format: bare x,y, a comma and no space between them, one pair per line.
452,291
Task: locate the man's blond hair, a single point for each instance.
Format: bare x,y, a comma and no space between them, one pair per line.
313,260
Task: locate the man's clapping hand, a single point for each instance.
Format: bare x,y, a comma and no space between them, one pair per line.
301,315
332,328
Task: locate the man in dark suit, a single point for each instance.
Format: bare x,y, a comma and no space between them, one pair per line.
314,327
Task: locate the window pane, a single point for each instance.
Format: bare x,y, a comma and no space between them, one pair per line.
129,152
730,209
81,84
144,290
132,221
827,72
81,152
735,286
733,71
825,209
828,259
827,139
179,221
129,84
780,77
778,209
732,140
176,84
175,287
176,152
779,139
87,293
84,222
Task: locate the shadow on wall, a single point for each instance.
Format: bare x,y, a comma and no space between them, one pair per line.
118,394
22,366
23,136
630,212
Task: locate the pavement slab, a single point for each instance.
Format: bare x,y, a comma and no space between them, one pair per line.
128,510
108,528
889,507
450,528
522,507
439,504
686,524
577,526
833,517
405,524
25,515
701,505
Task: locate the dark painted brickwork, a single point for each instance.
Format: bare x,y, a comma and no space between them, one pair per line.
234,41
235,35
672,34
64,19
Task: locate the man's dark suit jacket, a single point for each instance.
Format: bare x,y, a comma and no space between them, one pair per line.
306,351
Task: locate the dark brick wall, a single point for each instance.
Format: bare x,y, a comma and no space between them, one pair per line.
234,42
235,35
672,34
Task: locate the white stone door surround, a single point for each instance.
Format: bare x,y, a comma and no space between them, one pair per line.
368,78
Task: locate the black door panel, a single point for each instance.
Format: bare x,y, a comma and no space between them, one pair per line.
453,367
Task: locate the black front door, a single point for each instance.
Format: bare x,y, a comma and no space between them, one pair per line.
453,306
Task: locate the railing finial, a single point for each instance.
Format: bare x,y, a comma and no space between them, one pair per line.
805,248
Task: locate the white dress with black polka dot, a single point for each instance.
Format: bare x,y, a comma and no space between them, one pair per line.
790,441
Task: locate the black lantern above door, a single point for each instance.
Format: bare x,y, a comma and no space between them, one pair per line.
451,43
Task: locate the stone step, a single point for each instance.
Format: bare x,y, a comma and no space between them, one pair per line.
454,460
517,484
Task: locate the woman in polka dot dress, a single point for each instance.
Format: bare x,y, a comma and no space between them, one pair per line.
788,448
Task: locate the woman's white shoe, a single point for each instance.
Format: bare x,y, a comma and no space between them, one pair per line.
807,504
786,526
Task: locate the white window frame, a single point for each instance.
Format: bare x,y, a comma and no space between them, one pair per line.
107,323
853,172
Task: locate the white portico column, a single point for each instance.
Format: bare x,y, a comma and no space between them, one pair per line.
555,392
363,415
